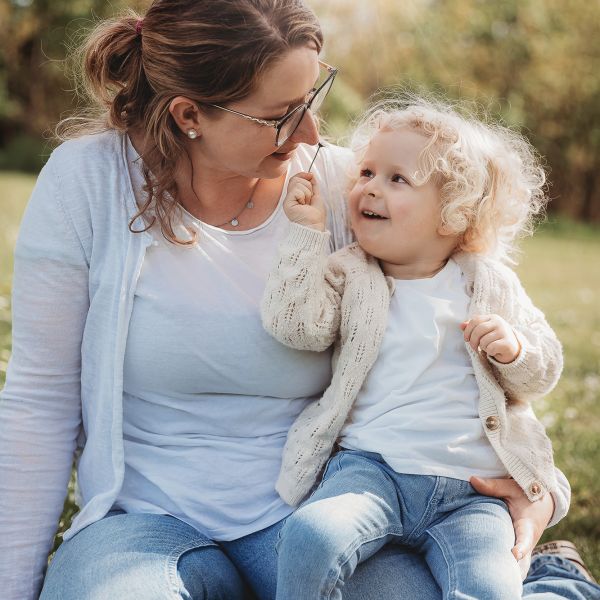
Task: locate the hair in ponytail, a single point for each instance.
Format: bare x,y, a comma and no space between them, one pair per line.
198,49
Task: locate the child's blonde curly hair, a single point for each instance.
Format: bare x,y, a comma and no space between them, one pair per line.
491,180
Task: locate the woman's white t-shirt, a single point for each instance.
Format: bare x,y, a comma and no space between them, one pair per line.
209,396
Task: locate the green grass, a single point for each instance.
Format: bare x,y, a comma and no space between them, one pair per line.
559,268
560,271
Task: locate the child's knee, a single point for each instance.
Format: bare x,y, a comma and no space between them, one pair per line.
309,532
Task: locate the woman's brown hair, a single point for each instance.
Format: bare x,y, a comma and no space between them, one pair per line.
209,51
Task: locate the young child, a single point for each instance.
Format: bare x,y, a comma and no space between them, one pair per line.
438,352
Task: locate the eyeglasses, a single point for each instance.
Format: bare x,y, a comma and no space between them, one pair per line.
285,127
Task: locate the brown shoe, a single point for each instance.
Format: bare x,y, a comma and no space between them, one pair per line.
566,550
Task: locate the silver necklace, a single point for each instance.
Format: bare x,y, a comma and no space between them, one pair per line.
234,222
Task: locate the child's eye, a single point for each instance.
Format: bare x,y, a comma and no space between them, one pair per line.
366,173
397,178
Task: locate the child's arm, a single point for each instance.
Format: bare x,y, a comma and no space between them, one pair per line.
522,348
302,298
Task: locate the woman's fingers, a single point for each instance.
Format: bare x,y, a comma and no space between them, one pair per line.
498,488
524,538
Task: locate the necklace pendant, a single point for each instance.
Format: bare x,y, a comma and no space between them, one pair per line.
250,204
234,222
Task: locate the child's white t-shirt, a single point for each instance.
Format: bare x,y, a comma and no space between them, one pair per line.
418,406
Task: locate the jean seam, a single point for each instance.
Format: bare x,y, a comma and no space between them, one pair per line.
451,572
173,559
333,575
338,467
426,517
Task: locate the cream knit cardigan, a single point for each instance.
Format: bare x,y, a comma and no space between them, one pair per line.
313,300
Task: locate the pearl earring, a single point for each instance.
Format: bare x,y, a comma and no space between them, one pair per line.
192,134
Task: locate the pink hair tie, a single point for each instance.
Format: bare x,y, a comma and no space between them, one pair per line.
138,26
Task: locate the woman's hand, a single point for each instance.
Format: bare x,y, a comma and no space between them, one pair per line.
303,204
529,518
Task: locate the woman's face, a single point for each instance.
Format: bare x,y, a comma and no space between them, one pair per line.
235,145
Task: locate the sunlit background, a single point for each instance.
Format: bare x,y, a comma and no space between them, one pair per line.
535,64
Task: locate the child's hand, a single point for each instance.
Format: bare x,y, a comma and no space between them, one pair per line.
493,335
303,204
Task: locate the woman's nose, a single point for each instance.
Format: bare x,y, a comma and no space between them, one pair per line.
307,131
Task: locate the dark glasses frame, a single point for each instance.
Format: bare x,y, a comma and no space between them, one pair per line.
279,123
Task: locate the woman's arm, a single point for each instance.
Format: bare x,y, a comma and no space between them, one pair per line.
40,412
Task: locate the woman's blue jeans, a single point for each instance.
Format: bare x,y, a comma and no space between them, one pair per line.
157,557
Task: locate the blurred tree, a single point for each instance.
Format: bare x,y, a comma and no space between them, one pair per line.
36,37
535,63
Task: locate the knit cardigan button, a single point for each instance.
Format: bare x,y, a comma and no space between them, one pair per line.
492,423
535,489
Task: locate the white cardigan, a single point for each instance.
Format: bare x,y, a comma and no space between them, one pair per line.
313,300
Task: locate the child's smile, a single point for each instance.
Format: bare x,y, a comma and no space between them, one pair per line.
394,217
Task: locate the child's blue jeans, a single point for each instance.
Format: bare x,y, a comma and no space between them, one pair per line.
362,504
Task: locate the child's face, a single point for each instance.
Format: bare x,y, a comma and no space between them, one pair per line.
393,218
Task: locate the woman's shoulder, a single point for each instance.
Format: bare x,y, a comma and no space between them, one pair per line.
88,153
89,171
84,180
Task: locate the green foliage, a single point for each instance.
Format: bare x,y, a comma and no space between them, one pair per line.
532,62
558,272
24,152
36,40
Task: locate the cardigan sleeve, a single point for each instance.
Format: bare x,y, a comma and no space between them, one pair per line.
561,496
40,406
535,372
301,304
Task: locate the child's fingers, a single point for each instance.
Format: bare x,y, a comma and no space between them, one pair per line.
478,332
300,192
471,324
497,348
302,176
486,341
314,184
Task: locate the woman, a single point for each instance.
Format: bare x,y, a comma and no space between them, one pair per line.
137,341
